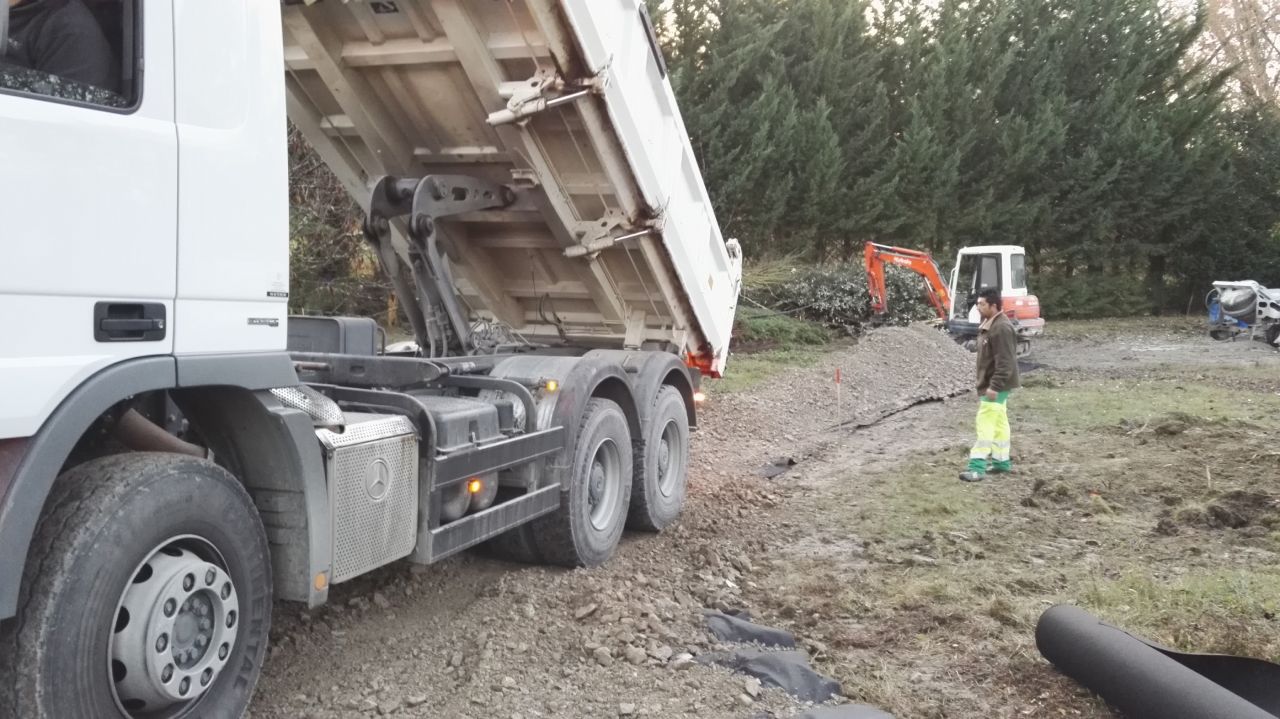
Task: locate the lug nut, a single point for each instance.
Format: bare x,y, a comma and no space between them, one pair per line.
170,606
231,619
206,677
162,643
184,686
210,577
226,590
188,582
223,651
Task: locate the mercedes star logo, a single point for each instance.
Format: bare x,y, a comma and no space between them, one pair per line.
377,480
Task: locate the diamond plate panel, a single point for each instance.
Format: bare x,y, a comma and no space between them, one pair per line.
372,470
324,411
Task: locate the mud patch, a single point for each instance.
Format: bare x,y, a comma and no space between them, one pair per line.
1235,509
1173,424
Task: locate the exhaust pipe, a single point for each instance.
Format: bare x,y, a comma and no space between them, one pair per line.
142,435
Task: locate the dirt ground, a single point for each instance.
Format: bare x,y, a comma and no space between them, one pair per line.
1147,491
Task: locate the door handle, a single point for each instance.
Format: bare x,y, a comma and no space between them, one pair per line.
129,322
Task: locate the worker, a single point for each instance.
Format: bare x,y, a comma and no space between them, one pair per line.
62,38
997,377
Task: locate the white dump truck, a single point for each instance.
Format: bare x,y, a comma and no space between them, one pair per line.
177,452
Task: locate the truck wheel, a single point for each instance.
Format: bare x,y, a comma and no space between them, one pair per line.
657,497
147,593
587,527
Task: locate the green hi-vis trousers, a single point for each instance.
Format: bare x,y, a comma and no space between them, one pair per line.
993,436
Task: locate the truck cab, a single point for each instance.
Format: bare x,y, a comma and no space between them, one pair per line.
177,451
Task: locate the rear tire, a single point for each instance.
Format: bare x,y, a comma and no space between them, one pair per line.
593,509
139,531
663,473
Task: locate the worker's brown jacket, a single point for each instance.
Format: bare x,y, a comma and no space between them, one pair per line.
997,355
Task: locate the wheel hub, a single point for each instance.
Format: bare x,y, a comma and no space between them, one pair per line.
193,630
670,459
603,485
596,486
175,627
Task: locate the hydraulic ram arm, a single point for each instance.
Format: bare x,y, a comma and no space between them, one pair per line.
423,201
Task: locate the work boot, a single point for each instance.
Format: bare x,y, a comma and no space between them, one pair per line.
970,475
1001,468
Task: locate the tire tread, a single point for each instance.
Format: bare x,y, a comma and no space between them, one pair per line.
553,534
641,516
78,500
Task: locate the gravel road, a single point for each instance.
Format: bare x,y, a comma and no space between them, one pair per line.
479,637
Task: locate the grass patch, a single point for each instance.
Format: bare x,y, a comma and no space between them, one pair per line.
927,592
1229,611
762,274
1126,327
926,497
1093,404
745,371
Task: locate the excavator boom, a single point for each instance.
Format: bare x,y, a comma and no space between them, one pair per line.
876,255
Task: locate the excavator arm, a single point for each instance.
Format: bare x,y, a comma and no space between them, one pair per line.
919,262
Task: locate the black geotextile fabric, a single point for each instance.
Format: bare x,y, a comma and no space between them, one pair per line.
739,629
786,670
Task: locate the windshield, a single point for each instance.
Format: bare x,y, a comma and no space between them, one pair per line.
978,272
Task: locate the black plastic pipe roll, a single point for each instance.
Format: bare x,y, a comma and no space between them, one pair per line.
1147,681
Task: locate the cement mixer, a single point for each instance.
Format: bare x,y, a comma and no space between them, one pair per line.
1236,308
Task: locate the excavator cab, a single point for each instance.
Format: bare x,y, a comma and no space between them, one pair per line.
1003,267
972,274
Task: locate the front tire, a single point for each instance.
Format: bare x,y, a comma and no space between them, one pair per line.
147,593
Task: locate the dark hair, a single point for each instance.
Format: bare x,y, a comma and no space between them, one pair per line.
992,296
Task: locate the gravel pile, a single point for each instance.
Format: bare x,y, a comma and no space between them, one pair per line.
889,369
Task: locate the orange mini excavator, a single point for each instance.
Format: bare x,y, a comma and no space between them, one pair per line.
1002,267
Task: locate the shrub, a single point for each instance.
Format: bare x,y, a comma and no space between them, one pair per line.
837,296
